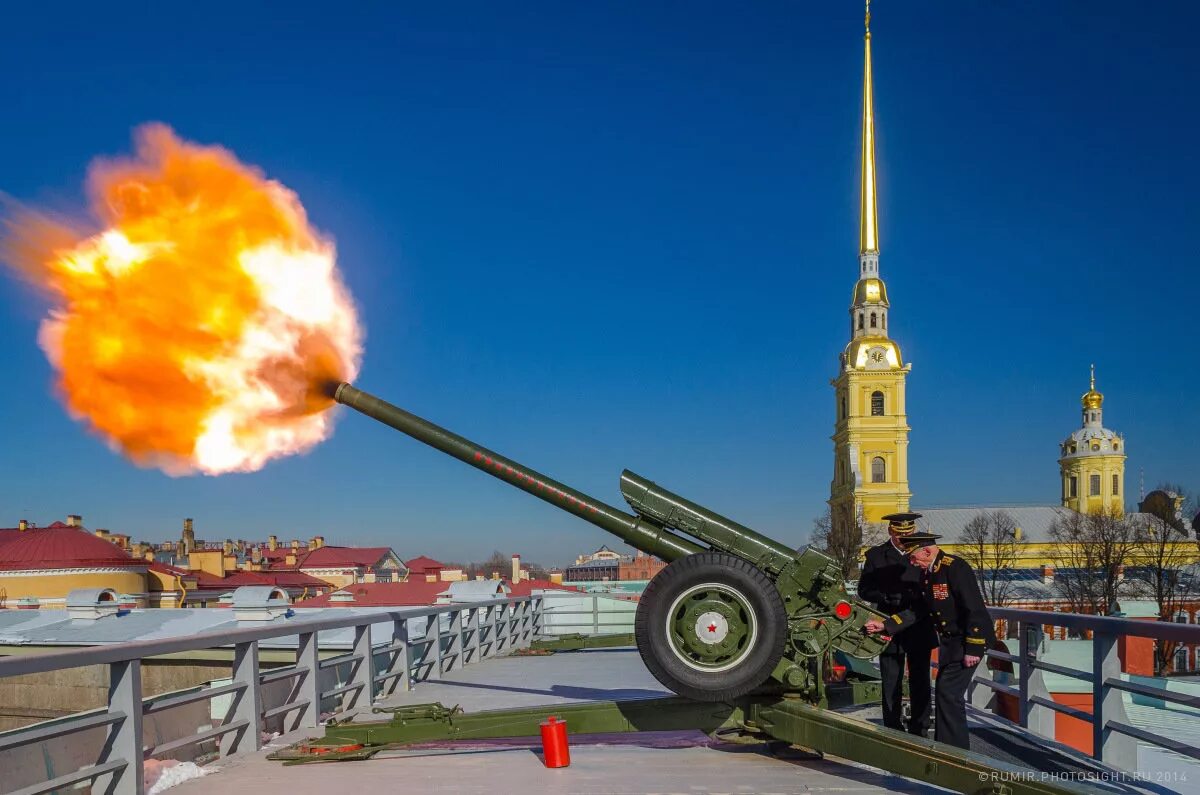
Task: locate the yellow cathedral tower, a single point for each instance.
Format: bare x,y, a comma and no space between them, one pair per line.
1093,461
870,440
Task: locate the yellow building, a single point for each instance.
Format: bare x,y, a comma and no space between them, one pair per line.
40,566
870,440
1093,461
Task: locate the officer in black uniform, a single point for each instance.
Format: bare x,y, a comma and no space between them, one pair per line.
953,601
894,585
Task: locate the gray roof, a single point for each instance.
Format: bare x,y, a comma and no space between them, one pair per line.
1034,520
56,627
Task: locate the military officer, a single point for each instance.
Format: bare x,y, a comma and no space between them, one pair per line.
894,585
953,601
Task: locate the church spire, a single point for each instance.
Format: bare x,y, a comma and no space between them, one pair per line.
868,234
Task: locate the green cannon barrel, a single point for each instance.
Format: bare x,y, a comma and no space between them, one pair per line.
647,498
636,531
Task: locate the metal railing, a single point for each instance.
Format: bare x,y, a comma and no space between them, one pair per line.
1114,738
597,617
454,635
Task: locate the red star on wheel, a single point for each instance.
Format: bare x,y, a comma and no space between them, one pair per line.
712,628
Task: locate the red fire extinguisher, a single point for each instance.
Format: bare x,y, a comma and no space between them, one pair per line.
554,742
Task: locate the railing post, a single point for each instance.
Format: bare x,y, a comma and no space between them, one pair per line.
398,659
125,736
247,703
1034,717
1109,746
363,670
433,634
539,616
523,618
493,629
467,637
308,683
595,615
454,649
980,695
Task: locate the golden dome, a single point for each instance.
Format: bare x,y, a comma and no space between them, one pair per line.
1092,399
870,291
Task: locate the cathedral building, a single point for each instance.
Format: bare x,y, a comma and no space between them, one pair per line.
870,439
1093,462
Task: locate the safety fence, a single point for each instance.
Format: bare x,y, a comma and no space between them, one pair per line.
1114,737
419,644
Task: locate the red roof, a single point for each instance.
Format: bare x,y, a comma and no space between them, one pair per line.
165,568
383,594
332,557
236,579
60,546
423,564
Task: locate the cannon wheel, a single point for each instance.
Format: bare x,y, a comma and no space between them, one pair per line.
711,626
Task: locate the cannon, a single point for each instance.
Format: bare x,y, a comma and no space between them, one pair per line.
733,611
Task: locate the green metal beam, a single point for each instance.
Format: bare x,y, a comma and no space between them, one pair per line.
575,641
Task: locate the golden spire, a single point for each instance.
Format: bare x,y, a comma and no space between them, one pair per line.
868,235
1092,399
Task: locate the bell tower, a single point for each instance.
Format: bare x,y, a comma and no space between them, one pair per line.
1092,461
870,439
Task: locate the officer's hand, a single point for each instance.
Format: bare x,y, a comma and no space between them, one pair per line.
873,626
970,661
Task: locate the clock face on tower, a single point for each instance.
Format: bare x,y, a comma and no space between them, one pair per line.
876,358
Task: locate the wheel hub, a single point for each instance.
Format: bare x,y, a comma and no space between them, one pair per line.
712,627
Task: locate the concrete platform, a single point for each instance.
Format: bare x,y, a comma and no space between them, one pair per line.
623,765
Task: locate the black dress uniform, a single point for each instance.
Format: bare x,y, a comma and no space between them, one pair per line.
952,599
894,585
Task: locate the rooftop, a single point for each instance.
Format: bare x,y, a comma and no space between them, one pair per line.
600,764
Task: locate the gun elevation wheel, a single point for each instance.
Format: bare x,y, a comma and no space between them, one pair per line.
711,626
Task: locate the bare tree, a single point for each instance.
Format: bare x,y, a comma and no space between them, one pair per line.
844,543
1093,550
1164,556
989,544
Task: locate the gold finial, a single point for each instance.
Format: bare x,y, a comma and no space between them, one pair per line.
868,235
1092,399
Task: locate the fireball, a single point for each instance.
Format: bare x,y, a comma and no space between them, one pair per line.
196,331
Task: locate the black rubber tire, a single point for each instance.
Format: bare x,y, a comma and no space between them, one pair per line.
760,595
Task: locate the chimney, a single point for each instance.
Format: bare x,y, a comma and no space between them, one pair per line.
320,541
227,547
272,543
23,525
256,554
312,543
290,559
295,543
1047,573
495,575
516,568
431,578
91,604
74,520
187,525
479,577
341,598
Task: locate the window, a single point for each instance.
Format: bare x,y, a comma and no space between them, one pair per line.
1116,485
860,320
1074,492
876,404
1094,486
1181,659
884,319
872,320
843,405
878,470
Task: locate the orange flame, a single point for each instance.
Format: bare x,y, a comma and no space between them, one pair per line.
197,331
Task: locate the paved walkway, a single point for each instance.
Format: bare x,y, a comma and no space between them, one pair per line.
624,765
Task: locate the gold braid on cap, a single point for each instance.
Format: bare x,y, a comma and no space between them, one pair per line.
903,528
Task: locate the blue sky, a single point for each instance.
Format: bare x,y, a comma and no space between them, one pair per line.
602,235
